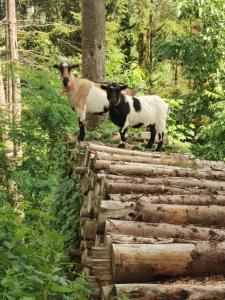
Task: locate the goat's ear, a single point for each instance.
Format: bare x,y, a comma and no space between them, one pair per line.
55,66
123,87
104,87
75,66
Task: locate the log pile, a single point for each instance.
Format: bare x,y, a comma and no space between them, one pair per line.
148,221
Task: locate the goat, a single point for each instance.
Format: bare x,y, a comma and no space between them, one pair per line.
84,95
126,111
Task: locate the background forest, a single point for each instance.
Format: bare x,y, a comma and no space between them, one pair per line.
173,48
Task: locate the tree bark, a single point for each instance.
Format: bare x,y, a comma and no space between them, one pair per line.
14,96
163,230
169,291
144,263
93,44
2,106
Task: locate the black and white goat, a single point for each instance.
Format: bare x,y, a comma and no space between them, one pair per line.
84,95
126,111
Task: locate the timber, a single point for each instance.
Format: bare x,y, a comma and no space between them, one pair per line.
151,224
163,230
212,199
169,291
147,262
156,170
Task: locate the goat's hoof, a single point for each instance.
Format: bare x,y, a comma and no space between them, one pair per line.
121,145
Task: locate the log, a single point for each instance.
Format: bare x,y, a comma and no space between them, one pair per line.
114,210
172,199
163,230
89,230
160,213
101,264
129,239
86,244
144,263
130,188
155,170
167,181
169,291
179,214
162,160
82,170
214,165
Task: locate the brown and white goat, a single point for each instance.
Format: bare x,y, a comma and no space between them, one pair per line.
84,95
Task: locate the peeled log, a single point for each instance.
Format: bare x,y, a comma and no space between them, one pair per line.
114,210
163,230
144,263
172,199
173,160
130,239
89,230
167,181
180,214
160,213
155,170
214,165
130,188
169,291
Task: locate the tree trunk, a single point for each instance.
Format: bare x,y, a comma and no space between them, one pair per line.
163,230
144,263
169,291
14,96
93,44
2,107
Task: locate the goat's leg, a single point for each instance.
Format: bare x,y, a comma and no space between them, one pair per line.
82,130
81,113
159,147
152,138
123,138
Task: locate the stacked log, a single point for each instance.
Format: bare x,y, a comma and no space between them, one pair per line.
148,218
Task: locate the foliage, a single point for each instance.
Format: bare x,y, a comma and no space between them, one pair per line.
37,263
174,48
32,259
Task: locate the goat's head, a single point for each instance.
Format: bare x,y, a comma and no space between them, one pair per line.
65,72
113,91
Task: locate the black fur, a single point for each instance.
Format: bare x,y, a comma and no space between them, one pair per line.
137,104
122,135
159,147
153,134
138,125
82,131
118,114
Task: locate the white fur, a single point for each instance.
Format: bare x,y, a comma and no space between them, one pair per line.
153,111
96,100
